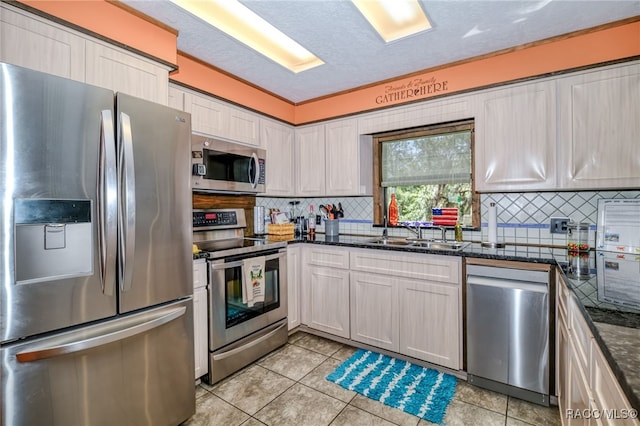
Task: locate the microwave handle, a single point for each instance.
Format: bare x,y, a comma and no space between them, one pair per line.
255,165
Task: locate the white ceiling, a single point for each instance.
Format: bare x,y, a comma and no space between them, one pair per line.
355,55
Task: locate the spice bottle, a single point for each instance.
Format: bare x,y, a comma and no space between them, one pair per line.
393,211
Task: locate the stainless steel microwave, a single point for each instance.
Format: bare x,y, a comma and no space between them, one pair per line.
226,166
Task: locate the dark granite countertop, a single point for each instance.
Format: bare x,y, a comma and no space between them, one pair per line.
607,289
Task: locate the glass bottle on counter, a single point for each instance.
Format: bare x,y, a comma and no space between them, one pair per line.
458,231
312,220
393,211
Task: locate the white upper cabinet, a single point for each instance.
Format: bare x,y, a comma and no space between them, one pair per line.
515,140
123,71
310,160
349,159
277,139
32,42
243,126
599,134
176,98
216,118
207,115
332,159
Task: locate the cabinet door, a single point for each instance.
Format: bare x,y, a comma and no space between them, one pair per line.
515,142
278,141
293,286
578,397
207,115
374,310
607,394
342,171
176,98
200,331
599,129
562,365
123,71
310,161
328,292
31,42
429,322
243,126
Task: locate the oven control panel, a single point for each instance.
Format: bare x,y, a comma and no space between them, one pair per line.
214,218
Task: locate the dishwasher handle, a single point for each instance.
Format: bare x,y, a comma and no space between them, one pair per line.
538,287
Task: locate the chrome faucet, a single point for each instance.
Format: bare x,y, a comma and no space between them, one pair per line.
384,231
444,233
417,230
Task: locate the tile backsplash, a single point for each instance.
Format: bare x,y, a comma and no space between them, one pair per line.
522,217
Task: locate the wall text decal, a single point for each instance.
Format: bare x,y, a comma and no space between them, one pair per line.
413,89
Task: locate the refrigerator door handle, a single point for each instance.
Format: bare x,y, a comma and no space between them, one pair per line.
107,203
254,170
127,203
104,339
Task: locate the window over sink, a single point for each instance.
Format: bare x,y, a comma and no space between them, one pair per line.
425,168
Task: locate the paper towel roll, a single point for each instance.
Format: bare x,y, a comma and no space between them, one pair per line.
493,225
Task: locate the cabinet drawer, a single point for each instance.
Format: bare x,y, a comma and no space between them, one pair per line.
334,258
581,335
445,269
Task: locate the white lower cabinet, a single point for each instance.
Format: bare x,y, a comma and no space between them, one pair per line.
588,391
200,317
429,322
407,303
325,289
293,286
328,300
374,310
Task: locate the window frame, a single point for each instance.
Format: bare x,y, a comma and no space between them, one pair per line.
379,202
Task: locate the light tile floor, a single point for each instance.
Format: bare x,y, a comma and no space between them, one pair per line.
288,387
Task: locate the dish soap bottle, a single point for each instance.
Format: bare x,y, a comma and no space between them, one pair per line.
458,232
393,211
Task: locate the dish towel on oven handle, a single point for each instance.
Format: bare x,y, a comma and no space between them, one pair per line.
253,280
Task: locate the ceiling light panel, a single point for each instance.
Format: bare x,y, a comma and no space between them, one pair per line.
241,23
394,19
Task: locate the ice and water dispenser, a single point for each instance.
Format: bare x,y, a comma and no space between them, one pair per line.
54,239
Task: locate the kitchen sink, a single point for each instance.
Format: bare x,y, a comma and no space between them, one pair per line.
419,243
440,245
390,241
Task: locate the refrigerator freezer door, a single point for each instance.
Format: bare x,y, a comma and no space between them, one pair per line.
155,199
58,267
134,370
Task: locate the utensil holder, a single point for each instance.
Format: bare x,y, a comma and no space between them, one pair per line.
332,227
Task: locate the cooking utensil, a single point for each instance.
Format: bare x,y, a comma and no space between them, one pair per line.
330,210
323,210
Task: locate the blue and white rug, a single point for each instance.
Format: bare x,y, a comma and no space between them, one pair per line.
420,391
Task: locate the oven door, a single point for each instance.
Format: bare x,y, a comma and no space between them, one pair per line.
229,318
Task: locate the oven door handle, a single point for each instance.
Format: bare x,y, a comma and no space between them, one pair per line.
217,266
236,351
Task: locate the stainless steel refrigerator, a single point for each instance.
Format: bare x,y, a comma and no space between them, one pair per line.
95,271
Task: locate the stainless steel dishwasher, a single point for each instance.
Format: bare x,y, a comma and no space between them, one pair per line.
508,333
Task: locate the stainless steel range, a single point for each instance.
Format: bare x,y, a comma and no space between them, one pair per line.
240,330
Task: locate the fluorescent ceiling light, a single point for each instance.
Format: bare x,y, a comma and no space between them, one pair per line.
246,26
394,19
